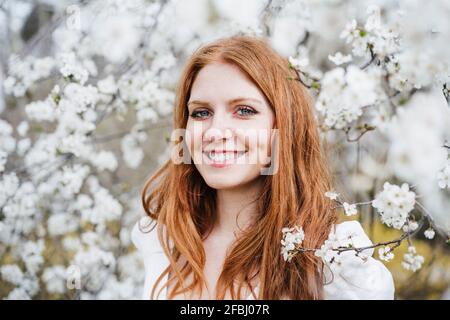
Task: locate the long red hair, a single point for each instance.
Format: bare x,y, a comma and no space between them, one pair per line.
177,197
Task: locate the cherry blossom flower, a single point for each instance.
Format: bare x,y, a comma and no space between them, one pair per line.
385,254
339,58
350,209
429,233
332,195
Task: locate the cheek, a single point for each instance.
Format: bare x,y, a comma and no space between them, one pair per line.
265,147
257,142
194,134
261,141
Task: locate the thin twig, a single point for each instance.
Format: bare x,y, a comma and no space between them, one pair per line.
372,59
395,242
366,128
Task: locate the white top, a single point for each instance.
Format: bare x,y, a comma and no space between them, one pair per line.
353,278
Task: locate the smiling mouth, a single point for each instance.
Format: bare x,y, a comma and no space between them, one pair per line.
223,158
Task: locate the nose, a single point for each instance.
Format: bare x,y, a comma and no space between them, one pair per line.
219,129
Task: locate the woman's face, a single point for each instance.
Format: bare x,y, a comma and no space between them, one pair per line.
229,129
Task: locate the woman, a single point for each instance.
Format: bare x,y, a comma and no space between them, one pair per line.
251,165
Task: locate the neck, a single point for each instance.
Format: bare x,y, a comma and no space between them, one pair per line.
236,208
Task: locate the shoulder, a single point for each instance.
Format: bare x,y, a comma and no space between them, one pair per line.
144,236
356,277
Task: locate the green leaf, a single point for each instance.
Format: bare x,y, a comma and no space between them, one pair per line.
403,101
57,98
315,85
362,33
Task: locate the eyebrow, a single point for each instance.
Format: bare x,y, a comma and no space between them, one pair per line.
239,99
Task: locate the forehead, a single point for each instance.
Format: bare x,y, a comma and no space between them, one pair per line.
222,81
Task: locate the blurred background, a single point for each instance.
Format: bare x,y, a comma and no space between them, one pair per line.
86,99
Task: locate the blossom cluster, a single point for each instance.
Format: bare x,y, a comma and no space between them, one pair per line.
292,238
394,203
349,246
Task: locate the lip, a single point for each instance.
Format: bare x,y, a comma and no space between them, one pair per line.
224,151
222,164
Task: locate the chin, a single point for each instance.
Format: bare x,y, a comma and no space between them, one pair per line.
221,180
222,186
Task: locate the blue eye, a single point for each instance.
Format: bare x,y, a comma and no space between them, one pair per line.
195,114
247,110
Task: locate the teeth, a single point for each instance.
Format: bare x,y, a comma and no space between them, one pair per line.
221,157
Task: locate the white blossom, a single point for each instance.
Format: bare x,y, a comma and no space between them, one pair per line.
385,253
350,209
62,223
429,233
115,289
292,237
344,93
132,152
104,160
331,195
105,208
3,159
20,208
7,141
22,128
71,180
23,145
382,39
18,294
107,85
145,93
348,234
72,68
394,203
410,226
95,265
443,176
41,111
9,183
24,72
31,254
118,34
411,260
299,63
350,32
339,58
11,273
71,243
55,279
75,144
78,98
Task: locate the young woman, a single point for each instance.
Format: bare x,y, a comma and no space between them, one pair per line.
214,222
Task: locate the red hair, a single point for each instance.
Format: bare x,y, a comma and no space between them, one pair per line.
181,201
